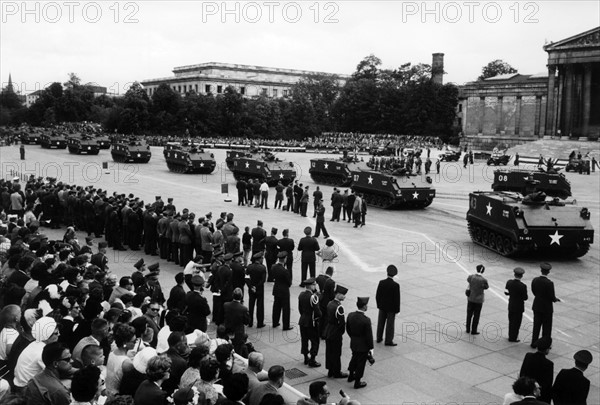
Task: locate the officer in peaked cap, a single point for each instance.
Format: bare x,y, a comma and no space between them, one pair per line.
258,255
361,341
571,386
543,303
334,332
138,277
154,267
517,295
310,312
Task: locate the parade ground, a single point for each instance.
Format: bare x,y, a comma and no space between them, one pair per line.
435,361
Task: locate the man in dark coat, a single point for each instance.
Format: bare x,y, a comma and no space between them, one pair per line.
334,332
308,245
359,329
537,366
327,292
388,304
186,249
336,202
197,306
350,205
271,251
174,231
543,290
517,295
236,316
257,276
177,294
317,197
99,259
320,214
161,230
150,231
310,312
241,190
286,244
258,238
281,293
571,387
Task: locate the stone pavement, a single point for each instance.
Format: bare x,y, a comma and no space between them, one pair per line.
435,361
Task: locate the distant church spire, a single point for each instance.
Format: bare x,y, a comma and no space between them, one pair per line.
10,86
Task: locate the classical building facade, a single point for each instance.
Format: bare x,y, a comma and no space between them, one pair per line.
574,86
513,109
249,81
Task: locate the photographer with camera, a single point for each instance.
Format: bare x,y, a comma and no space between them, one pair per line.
358,326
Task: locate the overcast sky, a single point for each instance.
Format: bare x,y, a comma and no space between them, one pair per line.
115,43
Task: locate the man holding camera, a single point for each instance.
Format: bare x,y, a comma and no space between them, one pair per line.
358,326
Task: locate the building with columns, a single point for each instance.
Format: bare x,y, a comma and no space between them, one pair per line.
249,81
574,86
511,109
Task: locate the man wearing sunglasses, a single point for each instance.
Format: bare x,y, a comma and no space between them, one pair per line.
46,387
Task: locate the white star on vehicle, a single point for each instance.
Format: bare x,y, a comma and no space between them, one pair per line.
415,195
326,165
555,238
488,207
370,179
247,165
202,164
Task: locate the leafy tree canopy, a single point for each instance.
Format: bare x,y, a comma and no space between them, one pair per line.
495,68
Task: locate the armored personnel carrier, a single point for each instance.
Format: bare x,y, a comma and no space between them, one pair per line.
132,151
553,184
188,158
103,141
231,155
53,141
449,156
335,172
498,158
31,138
386,190
245,168
578,165
83,145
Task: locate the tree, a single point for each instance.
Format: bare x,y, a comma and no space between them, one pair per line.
368,68
495,68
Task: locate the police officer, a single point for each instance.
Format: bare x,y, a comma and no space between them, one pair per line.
310,312
361,341
281,292
517,293
257,276
334,332
543,290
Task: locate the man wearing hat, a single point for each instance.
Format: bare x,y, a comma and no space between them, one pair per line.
174,227
334,332
281,294
151,287
310,312
271,251
99,259
477,285
138,275
197,306
308,245
257,276
186,249
537,366
150,225
543,291
388,304
517,295
327,294
286,244
361,341
161,230
258,237
571,387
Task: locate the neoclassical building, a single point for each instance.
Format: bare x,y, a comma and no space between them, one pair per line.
513,109
249,81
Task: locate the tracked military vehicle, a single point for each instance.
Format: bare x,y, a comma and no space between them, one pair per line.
519,222
53,141
246,168
188,158
553,184
132,151
335,172
83,145
385,190
449,156
103,141
231,155
498,158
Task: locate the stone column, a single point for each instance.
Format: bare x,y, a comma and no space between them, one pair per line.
568,97
499,118
481,115
538,115
587,97
550,100
518,115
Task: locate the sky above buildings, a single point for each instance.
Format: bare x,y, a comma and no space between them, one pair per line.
113,43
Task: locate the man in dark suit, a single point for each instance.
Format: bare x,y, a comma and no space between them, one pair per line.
359,329
178,352
286,244
388,304
327,289
257,276
517,293
529,390
197,306
543,290
336,202
537,366
236,316
310,312
281,292
271,251
334,332
258,238
308,245
100,259
571,387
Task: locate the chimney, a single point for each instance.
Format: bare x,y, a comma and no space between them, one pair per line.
437,68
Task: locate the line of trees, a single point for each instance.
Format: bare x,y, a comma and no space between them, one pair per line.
373,100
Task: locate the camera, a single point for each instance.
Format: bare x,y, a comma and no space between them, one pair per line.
370,358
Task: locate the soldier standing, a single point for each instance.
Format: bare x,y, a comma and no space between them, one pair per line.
543,290
327,290
22,151
334,332
281,293
310,312
257,276
271,251
361,342
517,293
286,244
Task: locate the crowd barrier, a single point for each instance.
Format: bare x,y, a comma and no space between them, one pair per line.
533,160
